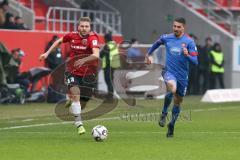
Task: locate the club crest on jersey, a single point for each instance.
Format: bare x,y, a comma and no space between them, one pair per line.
184,45
84,42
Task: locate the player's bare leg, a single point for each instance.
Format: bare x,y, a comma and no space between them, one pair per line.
75,108
69,101
171,87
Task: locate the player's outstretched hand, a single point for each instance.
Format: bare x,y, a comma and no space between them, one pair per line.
148,59
43,56
185,51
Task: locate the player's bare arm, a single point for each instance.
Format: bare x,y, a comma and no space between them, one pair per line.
92,57
54,45
148,59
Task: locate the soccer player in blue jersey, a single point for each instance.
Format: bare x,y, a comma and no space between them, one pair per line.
180,50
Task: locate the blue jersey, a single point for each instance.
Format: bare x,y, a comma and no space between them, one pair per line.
176,62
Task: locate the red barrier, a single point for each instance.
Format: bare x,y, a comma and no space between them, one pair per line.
33,43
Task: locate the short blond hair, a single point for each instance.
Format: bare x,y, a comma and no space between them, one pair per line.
85,19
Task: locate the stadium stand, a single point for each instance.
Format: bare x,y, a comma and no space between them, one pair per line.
63,15
223,3
37,13
217,11
41,8
51,17
229,4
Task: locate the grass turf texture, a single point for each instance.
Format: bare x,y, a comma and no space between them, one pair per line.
212,133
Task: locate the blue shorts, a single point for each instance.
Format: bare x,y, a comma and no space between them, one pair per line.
181,84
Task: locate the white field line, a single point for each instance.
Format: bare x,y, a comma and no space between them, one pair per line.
56,123
139,132
197,132
102,119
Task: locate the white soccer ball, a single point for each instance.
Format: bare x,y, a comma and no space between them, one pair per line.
99,133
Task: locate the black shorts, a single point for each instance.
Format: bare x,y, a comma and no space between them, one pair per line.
87,84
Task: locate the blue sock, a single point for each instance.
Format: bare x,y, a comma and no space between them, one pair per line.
175,114
167,102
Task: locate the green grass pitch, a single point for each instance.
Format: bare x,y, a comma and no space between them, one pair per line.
204,132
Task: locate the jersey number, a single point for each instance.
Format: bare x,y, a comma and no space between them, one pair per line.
70,80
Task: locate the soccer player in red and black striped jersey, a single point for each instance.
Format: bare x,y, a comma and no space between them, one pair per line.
81,66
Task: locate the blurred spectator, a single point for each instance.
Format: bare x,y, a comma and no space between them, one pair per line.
3,48
16,76
216,58
4,58
110,61
203,65
134,54
19,24
55,58
193,86
9,22
10,68
3,10
17,55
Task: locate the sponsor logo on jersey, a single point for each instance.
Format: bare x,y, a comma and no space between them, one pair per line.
175,50
78,47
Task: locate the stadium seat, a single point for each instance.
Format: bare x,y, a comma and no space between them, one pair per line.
202,12
224,26
40,10
235,5
223,3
